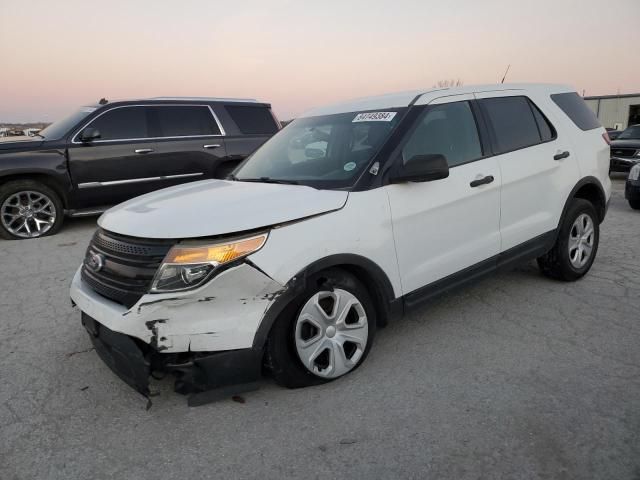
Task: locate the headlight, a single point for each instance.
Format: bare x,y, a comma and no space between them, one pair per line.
189,266
634,174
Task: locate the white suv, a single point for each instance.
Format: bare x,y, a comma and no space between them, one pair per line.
349,214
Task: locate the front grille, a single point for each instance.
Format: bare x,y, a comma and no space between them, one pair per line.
623,152
121,268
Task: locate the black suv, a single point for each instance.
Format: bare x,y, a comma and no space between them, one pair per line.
625,150
104,154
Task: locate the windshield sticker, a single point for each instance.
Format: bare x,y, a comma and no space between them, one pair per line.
88,109
374,117
349,166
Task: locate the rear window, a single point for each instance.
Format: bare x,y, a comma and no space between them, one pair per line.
185,121
253,120
546,129
513,122
577,110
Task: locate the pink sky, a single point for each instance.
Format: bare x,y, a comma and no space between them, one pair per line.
55,56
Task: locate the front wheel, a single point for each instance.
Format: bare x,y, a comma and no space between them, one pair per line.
577,244
29,209
325,333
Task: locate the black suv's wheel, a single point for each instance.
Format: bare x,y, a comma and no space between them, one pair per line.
323,334
29,209
635,204
577,244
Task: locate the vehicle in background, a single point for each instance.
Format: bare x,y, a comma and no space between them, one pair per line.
613,133
107,153
632,187
350,213
31,132
625,149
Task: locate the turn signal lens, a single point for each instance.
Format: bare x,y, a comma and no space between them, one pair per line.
218,254
605,135
185,267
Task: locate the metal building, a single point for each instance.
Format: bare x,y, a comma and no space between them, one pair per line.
616,111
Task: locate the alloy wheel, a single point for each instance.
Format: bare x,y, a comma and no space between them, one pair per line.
28,214
581,241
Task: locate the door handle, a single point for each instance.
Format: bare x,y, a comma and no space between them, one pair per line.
143,150
214,145
482,181
561,155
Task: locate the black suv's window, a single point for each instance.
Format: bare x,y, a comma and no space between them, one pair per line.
577,110
513,122
447,129
122,123
631,133
252,120
185,120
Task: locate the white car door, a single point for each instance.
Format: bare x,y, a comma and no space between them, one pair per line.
444,226
539,167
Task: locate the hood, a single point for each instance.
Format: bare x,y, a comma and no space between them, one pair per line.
631,143
217,207
22,142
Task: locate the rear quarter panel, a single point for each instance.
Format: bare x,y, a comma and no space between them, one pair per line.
588,147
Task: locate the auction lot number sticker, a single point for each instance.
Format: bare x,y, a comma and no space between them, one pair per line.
374,117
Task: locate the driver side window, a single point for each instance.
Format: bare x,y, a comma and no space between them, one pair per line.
449,130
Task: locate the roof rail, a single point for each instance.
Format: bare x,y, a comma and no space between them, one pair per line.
207,99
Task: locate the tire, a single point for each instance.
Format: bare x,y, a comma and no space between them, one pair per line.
635,204
29,209
569,263
329,356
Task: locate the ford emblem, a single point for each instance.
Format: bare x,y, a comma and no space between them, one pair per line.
95,262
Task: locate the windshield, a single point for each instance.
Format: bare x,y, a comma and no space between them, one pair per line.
630,133
324,152
60,128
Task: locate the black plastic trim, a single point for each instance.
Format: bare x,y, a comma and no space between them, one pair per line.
384,296
503,261
583,182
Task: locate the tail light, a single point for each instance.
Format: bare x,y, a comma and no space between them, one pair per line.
605,135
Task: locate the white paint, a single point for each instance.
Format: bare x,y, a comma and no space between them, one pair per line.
444,226
417,233
363,227
217,207
534,185
229,319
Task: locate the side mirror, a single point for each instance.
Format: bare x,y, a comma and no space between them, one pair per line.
421,168
89,134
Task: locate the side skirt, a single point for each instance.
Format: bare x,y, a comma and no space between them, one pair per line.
506,260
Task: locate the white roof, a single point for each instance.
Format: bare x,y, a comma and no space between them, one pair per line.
404,99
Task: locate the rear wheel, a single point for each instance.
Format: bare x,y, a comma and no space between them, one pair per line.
577,244
635,204
29,209
325,333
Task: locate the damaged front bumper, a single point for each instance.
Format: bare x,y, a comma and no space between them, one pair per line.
205,376
206,338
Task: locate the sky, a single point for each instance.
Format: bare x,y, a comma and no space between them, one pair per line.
296,54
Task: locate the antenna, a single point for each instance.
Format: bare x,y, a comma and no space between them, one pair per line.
505,73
